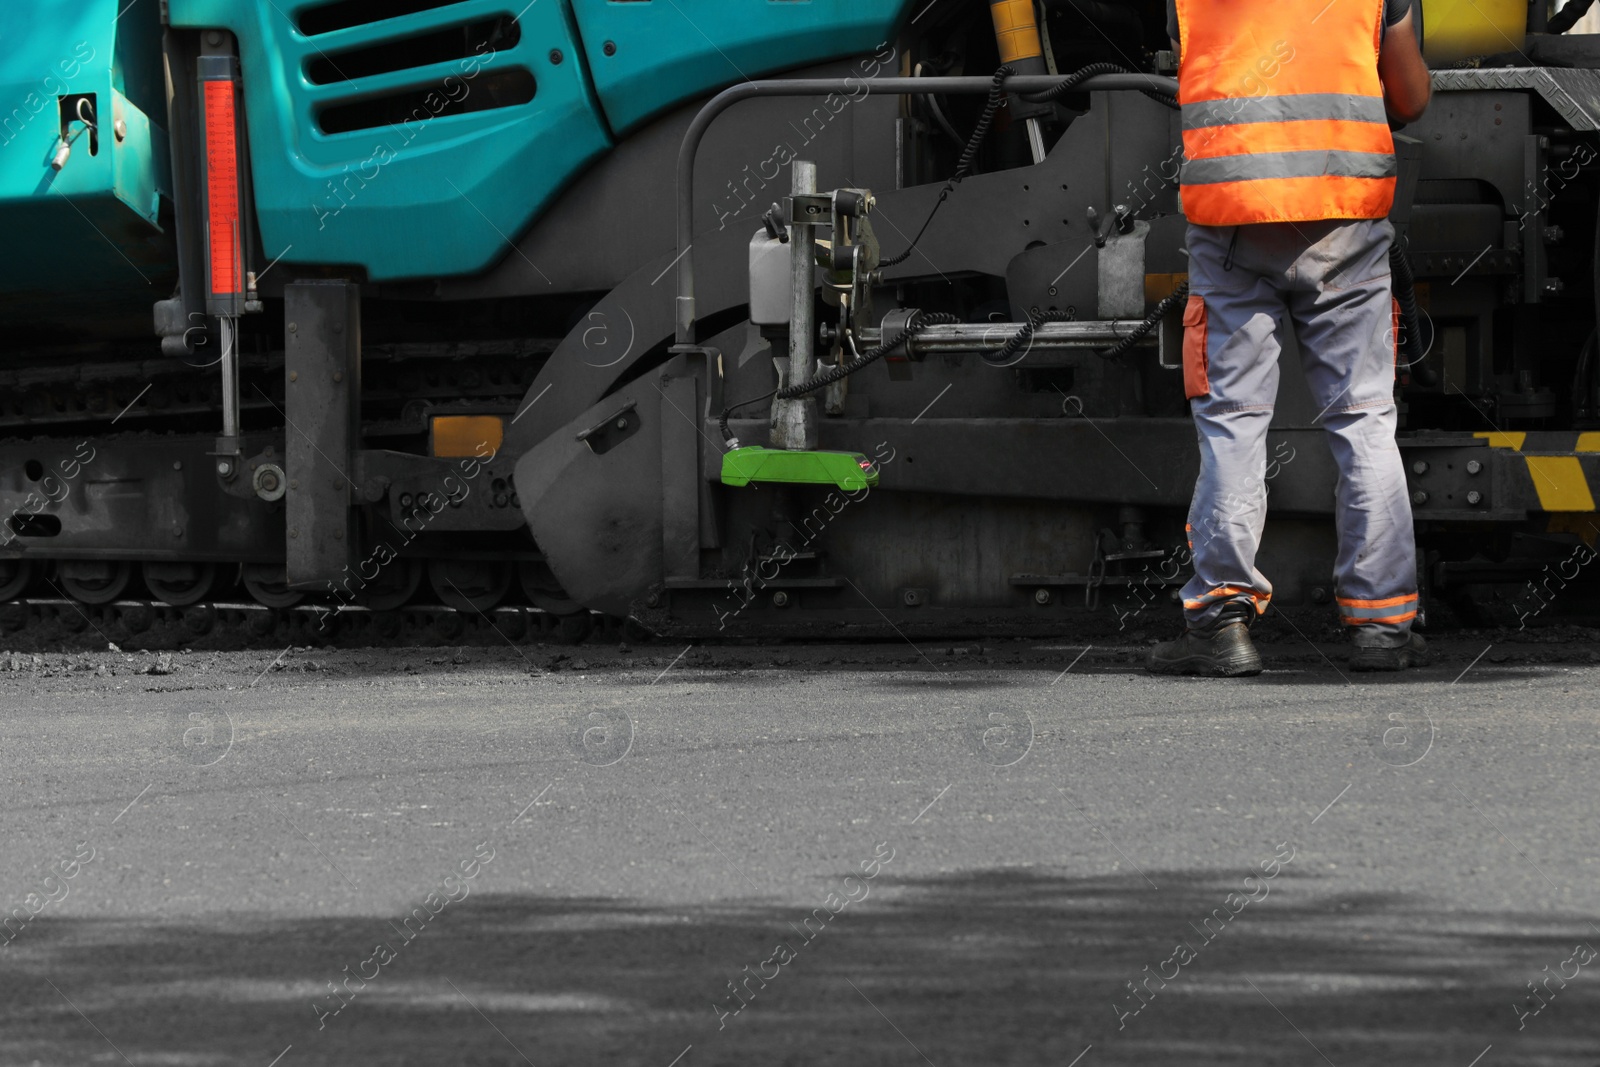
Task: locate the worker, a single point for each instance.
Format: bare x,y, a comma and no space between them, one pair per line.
1287,179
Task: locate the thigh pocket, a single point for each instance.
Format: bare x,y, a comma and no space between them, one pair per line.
1196,377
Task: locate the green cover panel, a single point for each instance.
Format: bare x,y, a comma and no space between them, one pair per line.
849,471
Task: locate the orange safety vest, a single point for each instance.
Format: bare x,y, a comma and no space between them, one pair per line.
1283,117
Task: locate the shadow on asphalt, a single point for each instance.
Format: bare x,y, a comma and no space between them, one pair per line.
991,967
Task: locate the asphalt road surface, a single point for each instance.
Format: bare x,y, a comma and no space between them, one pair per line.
1012,854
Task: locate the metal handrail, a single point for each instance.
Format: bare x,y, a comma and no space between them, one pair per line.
822,87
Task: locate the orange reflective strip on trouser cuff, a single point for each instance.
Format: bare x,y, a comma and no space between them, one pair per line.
1229,592
1365,612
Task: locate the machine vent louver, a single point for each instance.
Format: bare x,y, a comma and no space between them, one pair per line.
347,13
506,88
465,64
438,46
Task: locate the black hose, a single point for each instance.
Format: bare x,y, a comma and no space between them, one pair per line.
1403,284
1568,16
1082,74
1580,374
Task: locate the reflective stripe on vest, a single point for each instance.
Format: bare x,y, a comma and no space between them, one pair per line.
1301,107
1284,122
1287,165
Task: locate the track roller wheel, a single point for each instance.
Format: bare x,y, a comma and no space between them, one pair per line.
267,585
200,620
179,585
470,584
13,617
94,581
573,629
394,586
539,585
15,574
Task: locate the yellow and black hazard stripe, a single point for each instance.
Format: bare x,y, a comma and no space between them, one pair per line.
1563,474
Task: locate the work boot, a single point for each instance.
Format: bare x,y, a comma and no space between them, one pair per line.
1222,649
1414,653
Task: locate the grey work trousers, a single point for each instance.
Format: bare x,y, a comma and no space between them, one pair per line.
1330,281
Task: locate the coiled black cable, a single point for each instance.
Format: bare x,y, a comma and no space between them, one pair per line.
871,355
1024,336
843,370
1151,321
980,132
1002,357
969,155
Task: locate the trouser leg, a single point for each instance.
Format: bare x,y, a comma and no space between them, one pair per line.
1242,315
1347,341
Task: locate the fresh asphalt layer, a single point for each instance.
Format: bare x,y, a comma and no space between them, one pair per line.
1022,853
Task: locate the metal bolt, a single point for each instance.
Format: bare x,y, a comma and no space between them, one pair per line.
1319,595
338,375
1041,596
1419,497
653,600
556,56
120,128
224,467
1420,466
1474,497
177,531
622,424
1474,467
293,532
177,464
609,48
294,327
294,376
269,480
780,599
